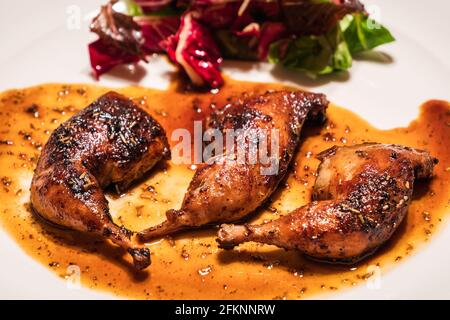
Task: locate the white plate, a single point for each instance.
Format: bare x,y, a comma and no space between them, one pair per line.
46,41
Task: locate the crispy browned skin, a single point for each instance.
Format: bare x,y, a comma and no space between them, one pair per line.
361,195
112,141
226,191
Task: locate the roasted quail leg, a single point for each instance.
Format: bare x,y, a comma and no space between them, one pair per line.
361,195
112,141
226,191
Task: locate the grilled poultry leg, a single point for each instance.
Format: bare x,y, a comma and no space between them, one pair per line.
226,191
361,195
112,141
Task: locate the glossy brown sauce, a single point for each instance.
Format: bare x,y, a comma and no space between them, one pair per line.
190,265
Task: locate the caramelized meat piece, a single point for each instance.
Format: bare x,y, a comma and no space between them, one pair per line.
112,141
361,195
226,191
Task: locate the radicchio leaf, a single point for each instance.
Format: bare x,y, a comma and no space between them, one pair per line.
215,14
104,56
156,29
270,33
234,14
195,51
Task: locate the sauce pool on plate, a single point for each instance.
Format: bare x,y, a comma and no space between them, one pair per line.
190,265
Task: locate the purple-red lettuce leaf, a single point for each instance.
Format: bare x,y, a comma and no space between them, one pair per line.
307,17
118,30
120,40
124,39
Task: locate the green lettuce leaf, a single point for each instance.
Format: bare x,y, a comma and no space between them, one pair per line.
315,55
362,34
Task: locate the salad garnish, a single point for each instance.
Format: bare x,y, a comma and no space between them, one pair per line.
315,37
